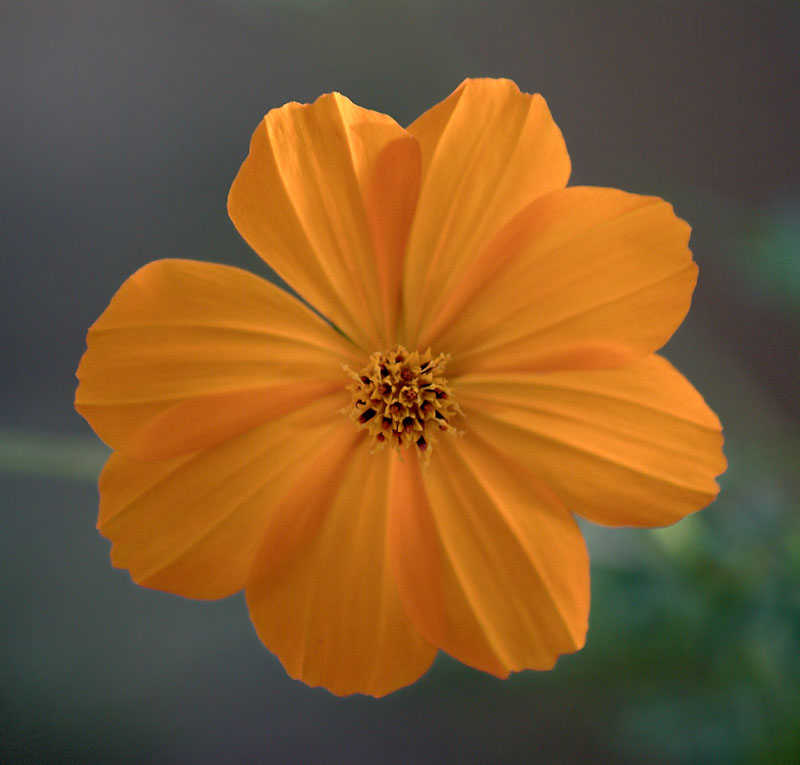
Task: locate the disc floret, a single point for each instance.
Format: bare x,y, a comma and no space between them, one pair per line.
403,399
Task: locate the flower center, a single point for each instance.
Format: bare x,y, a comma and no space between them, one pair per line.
403,398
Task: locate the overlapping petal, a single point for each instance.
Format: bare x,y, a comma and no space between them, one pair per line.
632,446
190,354
490,567
487,151
192,524
326,197
322,595
582,278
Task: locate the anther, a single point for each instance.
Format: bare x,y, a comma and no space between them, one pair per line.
367,416
403,399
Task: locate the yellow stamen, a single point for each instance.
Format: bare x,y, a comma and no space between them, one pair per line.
402,398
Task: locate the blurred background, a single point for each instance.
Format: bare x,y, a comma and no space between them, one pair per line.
122,125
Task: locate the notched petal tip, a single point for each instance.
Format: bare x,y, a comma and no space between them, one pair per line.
490,566
321,595
633,446
192,525
189,354
326,196
581,276
487,151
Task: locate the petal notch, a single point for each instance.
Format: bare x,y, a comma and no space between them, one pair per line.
582,278
487,151
633,446
490,567
322,595
326,197
190,354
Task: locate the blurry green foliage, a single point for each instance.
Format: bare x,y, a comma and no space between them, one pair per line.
767,252
44,454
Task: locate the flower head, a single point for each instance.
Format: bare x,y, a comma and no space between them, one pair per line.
401,478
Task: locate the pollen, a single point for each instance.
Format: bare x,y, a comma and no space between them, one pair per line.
403,399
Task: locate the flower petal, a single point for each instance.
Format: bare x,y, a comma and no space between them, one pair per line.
582,278
192,524
633,446
487,151
326,197
322,595
490,567
190,354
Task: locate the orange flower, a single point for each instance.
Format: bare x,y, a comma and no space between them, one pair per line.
403,482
